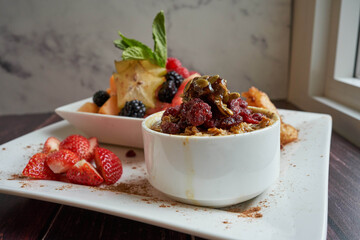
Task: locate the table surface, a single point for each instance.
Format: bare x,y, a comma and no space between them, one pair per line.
23,218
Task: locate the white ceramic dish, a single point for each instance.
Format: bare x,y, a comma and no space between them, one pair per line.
118,130
203,170
295,207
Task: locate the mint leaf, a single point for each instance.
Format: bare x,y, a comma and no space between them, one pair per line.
138,53
159,36
119,43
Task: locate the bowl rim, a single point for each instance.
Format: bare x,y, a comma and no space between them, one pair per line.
259,131
64,109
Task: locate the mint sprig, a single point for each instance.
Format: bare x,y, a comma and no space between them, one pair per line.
136,50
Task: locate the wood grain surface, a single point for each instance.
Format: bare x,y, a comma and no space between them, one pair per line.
22,218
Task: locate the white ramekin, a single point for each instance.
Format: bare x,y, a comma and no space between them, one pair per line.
214,171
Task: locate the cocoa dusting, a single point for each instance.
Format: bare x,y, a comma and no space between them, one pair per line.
64,187
130,154
28,146
133,168
252,212
17,177
3,149
141,188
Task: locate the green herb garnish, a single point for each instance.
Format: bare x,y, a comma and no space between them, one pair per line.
136,50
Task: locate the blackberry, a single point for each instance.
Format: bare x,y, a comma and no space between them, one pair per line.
167,91
100,97
134,108
174,76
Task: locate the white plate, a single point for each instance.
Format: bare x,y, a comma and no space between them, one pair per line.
293,208
118,130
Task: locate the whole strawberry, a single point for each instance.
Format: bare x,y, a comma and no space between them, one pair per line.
108,164
62,160
84,173
77,144
37,168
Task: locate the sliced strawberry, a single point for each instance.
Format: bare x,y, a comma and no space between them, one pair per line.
77,144
84,173
51,145
108,164
62,160
94,143
36,168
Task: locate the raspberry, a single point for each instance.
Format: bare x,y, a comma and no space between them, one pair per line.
173,64
231,121
198,112
183,72
169,127
236,105
172,111
257,116
193,72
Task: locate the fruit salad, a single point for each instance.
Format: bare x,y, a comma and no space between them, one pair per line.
210,109
146,81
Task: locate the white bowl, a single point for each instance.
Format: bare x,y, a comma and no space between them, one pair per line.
116,130
214,171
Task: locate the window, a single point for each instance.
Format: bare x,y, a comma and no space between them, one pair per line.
323,61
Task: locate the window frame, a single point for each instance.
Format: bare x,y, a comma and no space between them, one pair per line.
319,81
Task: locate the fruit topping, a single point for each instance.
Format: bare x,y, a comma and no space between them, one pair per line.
110,107
175,77
84,173
51,145
167,91
37,168
77,144
173,64
134,108
62,160
100,97
108,164
209,106
89,107
138,80
94,143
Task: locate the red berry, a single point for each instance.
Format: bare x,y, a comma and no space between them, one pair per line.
93,145
170,127
84,173
193,72
196,112
36,168
237,105
62,160
172,64
51,145
77,144
183,72
130,154
172,111
108,164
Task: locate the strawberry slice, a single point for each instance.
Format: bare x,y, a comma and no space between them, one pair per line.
77,144
36,168
51,145
84,173
108,164
62,160
94,143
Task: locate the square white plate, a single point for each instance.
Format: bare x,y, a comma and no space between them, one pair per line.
293,208
118,130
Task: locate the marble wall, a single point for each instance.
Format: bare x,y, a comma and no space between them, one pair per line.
56,52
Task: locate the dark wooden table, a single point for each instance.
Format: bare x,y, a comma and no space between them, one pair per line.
23,218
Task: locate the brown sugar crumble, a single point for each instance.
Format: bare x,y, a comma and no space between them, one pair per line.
131,153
